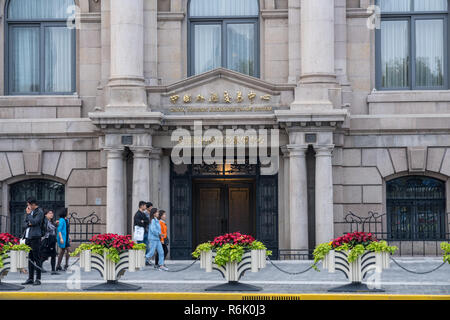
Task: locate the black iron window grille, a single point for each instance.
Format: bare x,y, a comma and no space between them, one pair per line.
416,208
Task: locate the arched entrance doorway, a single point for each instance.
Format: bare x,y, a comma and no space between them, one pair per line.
49,195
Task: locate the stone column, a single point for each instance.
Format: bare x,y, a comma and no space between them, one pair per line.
286,198
298,197
115,204
141,175
324,194
294,40
317,44
155,177
126,83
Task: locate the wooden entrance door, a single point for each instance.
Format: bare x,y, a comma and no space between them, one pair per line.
221,207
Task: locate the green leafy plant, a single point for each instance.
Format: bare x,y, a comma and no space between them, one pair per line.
445,246
230,248
228,253
139,246
110,244
355,244
203,247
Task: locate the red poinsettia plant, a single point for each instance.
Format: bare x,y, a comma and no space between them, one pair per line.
111,244
9,242
110,240
353,239
230,247
6,238
235,238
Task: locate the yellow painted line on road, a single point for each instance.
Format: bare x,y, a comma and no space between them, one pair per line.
206,296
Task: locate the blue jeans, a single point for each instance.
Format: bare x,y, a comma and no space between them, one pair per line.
155,245
145,240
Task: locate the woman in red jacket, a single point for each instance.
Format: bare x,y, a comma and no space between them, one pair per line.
164,240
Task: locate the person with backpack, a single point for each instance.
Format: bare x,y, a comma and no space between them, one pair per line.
48,245
34,230
63,239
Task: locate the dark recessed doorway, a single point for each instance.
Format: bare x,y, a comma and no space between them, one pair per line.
222,206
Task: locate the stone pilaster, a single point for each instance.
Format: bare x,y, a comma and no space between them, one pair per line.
298,197
286,198
324,194
126,85
317,45
115,203
155,177
141,175
294,40
317,56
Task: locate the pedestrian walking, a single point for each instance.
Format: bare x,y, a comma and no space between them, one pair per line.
164,240
34,221
48,245
63,239
147,243
141,222
155,240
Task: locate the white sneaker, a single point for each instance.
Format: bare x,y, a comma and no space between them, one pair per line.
163,268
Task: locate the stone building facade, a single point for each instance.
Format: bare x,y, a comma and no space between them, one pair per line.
345,144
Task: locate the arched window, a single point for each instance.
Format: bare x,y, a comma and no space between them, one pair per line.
40,48
416,208
224,33
49,195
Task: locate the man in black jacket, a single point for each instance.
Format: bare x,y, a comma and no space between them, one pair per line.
142,220
33,233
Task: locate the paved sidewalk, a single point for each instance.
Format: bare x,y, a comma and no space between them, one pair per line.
271,280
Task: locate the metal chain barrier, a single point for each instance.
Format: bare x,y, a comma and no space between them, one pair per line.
287,272
417,272
185,268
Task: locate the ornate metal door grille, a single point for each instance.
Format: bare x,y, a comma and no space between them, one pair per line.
181,203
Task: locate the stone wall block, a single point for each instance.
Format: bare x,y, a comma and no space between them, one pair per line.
70,161
372,194
16,164
445,169
399,159
76,196
434,159
50,162
5,172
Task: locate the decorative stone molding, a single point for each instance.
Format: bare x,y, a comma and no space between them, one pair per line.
32,162
274,14
171,16
417,159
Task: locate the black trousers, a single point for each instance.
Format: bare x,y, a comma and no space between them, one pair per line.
35,257
166,251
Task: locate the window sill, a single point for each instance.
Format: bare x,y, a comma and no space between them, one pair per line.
409,96
41,101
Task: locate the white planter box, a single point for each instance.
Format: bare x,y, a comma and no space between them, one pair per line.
130,261
253,260
14,262
357,270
